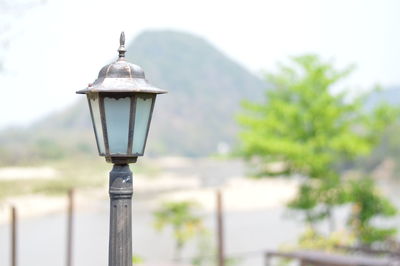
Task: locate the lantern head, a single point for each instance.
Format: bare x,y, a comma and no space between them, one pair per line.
121,103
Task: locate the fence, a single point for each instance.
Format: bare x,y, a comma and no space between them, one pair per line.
14,231
304,257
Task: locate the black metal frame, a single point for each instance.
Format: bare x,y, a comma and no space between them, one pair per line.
89,96
119,80
132,123
120,191
153,102
129,156
116,80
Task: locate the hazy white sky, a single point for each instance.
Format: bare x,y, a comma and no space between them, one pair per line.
59,47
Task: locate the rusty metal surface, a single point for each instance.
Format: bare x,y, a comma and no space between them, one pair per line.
121,76
120,242
120,79
149,122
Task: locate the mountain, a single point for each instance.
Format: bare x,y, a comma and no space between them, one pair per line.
205,90
390,95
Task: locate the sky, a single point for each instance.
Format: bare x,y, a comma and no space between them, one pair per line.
56,47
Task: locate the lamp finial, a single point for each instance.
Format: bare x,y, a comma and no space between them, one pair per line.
121,49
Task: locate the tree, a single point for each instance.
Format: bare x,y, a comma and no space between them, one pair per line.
207,252
184,222
369,204
312,130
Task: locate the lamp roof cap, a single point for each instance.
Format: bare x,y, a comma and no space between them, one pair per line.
121,76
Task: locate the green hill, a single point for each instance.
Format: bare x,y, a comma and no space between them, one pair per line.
390,95
205,89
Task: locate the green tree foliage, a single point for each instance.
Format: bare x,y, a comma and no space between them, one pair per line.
207,252
369,204
137,260
183,220
314,131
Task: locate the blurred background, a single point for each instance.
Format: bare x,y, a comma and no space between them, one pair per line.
289,108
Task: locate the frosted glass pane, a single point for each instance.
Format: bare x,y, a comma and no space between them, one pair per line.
142,115
117,119
94,104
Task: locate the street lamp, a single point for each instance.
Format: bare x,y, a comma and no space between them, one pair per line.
121,103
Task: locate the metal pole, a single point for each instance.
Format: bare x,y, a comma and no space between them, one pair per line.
121,190
220,230
70,218
13,236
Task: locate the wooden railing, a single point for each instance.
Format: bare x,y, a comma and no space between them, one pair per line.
317,258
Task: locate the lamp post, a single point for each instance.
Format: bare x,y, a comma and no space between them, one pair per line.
121,103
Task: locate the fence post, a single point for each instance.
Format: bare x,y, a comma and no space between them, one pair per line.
267,259
13,236
220,230
70,217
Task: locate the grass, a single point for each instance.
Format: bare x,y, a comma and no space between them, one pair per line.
78,172
74,173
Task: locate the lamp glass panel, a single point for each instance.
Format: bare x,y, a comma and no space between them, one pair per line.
117,112
142,116
96,120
